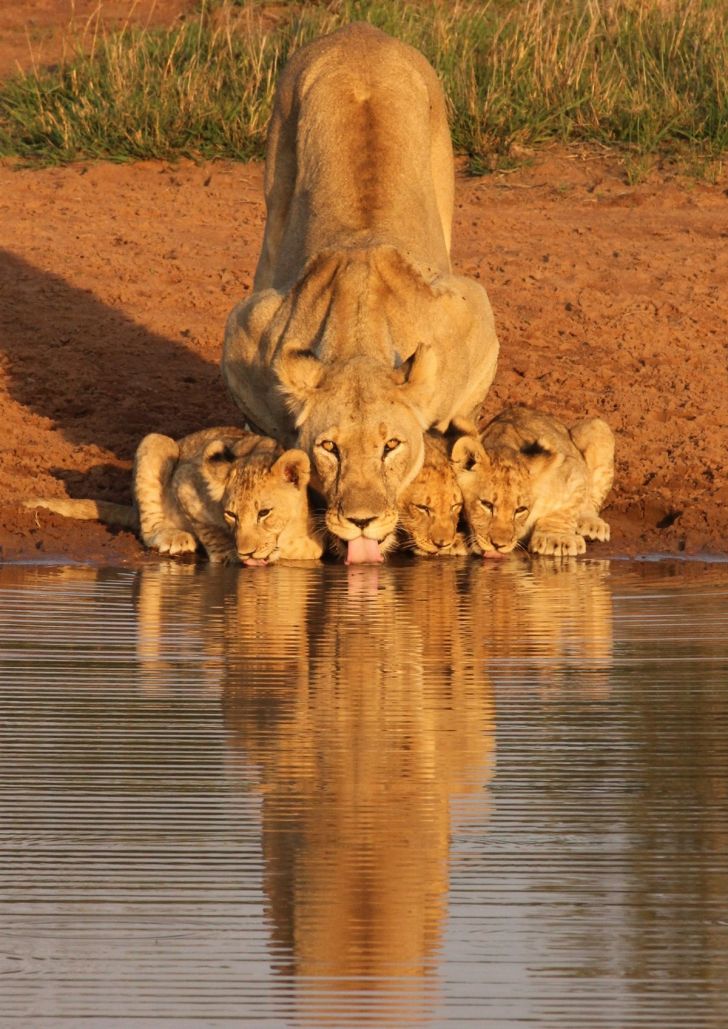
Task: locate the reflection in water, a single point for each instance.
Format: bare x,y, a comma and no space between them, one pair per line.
364,713
547,623
276,796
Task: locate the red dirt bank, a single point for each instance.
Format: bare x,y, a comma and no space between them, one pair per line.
115,282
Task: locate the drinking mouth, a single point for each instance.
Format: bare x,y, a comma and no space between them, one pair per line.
363,551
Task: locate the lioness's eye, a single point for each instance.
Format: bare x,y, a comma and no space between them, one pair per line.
521,510
391,444
487,505
230,516
456,507
329,446
263,513
423,508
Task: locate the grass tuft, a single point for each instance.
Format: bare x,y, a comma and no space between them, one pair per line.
649,76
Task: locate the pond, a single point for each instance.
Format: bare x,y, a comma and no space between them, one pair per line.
432,793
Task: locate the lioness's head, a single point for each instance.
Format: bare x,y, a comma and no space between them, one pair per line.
262,496
429,509
497,494
362,423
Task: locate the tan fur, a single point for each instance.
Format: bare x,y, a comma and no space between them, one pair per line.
429,509
210,487
357,332
533,479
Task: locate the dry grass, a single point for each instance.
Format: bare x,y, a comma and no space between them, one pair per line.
643,75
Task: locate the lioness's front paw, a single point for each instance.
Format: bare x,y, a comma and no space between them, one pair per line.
173,541
593,527
557,544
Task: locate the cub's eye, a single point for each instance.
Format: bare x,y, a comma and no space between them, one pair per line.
329,446
230,517
487,505
456,507
263,513
423,508
521,511
391,445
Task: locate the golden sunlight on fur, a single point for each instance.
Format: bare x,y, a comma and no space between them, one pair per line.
533,481
358,336
236,493
429,509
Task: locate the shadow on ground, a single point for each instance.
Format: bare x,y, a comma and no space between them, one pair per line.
100,376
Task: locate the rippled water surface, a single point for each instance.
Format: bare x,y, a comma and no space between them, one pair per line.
441,793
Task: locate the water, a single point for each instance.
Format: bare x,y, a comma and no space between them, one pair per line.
437,794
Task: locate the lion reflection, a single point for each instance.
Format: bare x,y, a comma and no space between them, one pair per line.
362,701
359,759
545,623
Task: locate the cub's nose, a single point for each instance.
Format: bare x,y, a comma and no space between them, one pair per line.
441,544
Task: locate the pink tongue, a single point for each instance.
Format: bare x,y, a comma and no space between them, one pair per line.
363,551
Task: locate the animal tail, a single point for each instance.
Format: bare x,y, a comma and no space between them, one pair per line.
122,515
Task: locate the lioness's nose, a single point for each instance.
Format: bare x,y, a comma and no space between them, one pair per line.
441,543
362,522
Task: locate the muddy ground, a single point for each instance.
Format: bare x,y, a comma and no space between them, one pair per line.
115,281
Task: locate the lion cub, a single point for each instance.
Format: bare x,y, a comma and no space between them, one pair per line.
532,479
429,509
236,493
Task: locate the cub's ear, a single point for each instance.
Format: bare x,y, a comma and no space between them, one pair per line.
466,453
416,378
218,458
542,461
299,374
294,466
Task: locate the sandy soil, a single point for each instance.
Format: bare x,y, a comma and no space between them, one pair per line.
38,32
115,282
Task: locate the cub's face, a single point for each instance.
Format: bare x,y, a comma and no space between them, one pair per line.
259,503
429,509
497,495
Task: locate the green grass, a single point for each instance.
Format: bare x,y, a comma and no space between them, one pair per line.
648,76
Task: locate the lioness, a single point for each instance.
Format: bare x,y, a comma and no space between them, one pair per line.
531,477
357,336
429,508
235,492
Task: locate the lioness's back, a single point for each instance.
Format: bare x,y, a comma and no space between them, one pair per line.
362,116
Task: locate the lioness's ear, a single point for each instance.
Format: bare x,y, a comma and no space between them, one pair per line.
294,466
466,453
218,458
299,373
417,376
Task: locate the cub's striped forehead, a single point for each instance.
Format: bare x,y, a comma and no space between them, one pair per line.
248,474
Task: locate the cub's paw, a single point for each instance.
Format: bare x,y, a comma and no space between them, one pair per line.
557,544
459,547
173,541
304,549
593,527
